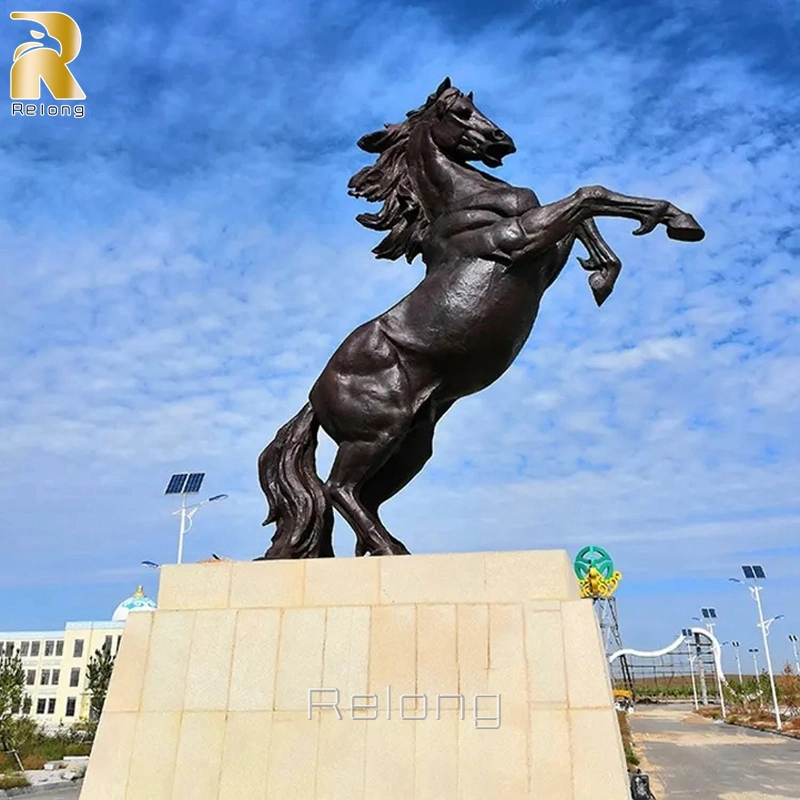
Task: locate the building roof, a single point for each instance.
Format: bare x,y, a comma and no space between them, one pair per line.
136,602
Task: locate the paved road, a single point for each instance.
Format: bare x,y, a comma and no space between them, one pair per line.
70,793
690,758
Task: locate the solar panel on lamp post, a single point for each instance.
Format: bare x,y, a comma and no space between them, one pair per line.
753,573
185,483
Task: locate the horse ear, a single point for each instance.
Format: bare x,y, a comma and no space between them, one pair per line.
470,97
443,86
373,142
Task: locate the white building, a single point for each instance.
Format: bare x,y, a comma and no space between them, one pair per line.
55,662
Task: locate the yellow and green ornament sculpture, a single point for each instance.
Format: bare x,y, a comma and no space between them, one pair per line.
595,571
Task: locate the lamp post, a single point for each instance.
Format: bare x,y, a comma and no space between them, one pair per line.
701,666
793,640
735,646
185,483
687,633
753,573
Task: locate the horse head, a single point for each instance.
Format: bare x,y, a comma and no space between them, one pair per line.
450,122
462,132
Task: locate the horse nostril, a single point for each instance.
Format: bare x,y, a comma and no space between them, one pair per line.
498,135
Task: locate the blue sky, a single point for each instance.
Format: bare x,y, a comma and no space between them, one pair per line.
180,264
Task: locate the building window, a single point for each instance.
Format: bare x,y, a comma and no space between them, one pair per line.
45,679
10,649
56,677
49,648
70,707
107,644
75,676
51,705
77,650
35,648
30,677
119,642
27,702
24,648
60,647
41,704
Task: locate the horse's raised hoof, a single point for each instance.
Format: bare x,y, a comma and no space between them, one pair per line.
685,228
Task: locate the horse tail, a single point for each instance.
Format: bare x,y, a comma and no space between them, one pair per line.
297,500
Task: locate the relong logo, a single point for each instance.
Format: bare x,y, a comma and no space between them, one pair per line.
34,64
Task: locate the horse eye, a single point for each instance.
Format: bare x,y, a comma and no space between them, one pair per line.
462,112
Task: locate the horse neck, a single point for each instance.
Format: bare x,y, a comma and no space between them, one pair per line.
442,184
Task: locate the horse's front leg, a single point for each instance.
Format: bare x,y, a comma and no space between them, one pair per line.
603,262
543,227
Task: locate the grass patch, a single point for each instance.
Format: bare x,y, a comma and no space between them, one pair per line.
631,759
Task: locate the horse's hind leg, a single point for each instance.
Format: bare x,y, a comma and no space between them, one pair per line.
405,464
354,465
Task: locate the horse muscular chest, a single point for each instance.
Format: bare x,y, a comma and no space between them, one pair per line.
475,327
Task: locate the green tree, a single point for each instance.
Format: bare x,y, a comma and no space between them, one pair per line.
12,688
98,675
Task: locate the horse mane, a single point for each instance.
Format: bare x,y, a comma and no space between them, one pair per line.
388,180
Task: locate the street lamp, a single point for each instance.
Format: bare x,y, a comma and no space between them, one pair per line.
735,646
753,573
185,483
793,640
687,633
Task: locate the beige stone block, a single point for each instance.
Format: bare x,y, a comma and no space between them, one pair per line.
245,755
255,658
155,750
346,654
107,774
393,652
473,649
598,758
454,578
341,758
390,768
167,661
492,762
437,650
544,650
292,754
267,584
342,582
588,683
194,586
199,761
550,756
300,649
208,676
530,575
127,679
436,755
508,678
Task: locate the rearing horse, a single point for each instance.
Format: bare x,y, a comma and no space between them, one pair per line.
490,251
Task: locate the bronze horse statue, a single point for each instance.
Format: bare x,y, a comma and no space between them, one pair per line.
490,251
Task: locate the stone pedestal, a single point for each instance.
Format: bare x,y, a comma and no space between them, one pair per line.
210,695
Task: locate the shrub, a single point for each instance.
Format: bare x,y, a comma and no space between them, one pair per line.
33,762
13,781
77,750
